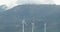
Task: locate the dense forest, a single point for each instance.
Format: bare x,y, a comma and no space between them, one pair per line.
11,20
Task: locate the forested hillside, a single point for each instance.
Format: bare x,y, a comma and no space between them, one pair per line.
11,20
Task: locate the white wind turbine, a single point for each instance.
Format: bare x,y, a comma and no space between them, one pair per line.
45,27
23,25
33,26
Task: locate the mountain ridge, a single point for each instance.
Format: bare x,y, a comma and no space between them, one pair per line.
38,14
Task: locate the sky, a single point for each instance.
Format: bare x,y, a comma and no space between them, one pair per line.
11,3
8,3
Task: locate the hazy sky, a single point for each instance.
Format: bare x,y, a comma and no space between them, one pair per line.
13,2
8,2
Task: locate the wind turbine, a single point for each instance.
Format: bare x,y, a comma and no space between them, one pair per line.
33,24
23,25
33,27
45,27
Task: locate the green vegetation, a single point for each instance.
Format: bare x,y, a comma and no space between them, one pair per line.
39,14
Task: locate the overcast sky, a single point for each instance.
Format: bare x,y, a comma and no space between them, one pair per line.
11,3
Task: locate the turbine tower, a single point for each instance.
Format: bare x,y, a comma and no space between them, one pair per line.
32,27
45,27
23,25
33,24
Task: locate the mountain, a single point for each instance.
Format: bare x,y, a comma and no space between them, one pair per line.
3,8
11,20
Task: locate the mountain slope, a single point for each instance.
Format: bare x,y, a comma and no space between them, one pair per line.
39,14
